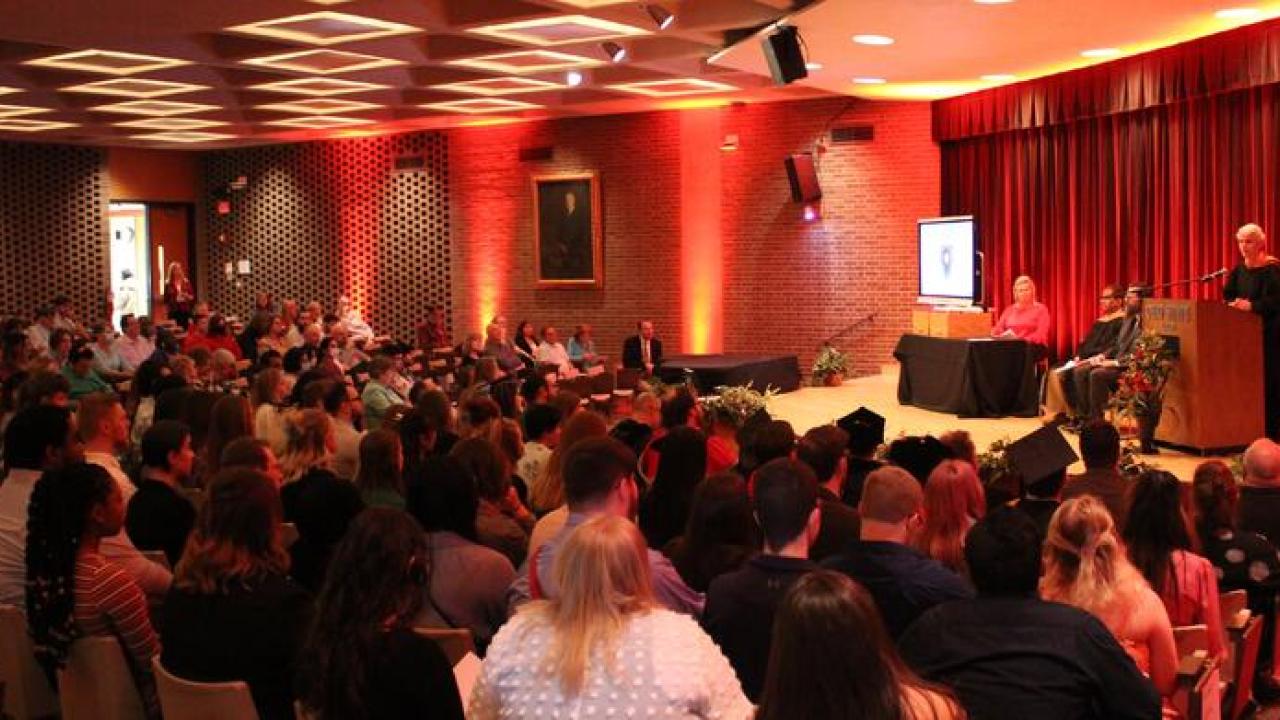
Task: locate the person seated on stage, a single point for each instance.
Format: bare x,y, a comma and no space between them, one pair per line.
582,349
349,317
499,348
526,343
1026,318
551,351
1093,378
642,351
1100,338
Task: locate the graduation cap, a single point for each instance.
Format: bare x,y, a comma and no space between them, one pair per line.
1040,455
918,455
865,428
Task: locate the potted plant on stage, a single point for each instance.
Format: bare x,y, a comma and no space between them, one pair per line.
1139,395
829,367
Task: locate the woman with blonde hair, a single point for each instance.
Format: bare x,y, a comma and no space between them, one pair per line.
603,645
1026,318
1085,566
267,394
953,503
179,296
310,443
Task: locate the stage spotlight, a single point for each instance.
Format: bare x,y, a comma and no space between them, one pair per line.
573,78
662,17
616,52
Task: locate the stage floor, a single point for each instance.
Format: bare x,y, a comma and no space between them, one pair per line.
809,407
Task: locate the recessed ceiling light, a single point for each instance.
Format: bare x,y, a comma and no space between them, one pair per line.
573,78
107,62
135,87
481,105
328,2
8,111
614,51
184,137
322,62
156,108
873,39
993,2
869,80
319,106
21,125
674,87
661,16
170,123
999,77
317,86
323,28
1244,13
1101,52
813,66
6,90
320,122
500,86
559,30
527,61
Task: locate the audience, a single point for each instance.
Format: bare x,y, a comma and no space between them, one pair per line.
231,419
547,494
953,502
637,430
308,455
269,390
379,395
380,478
831,658
682,464
741,604
604,637
323,508
81,376
1100,450
824,450
233,612
159,516
502,522
720,534
132,347
1259,508
918,455
361,658
542,435
249,452
904,582
1010,654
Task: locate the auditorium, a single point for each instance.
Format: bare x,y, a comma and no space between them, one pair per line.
719,359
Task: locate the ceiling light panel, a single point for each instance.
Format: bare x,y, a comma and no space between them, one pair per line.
170,123
527,61
559,30
135,88
107,62
588,4
673,88
320,122
155,108
8,111
481,105
324,28
7,90
322,87
499,86
21,125
322,62
319,106
184,137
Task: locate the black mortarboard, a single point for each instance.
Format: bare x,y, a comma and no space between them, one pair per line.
918,455
1040,454
865,428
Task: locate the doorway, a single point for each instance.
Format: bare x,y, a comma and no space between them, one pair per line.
146,237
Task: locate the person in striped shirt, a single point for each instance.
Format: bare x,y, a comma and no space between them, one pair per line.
72,590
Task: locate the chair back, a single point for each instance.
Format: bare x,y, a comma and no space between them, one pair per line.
96,683
185,700
1246,656
1192,640
1230,605
455,642
27,694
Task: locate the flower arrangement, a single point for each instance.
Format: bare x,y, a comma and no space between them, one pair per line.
1140,389
830,362
739,402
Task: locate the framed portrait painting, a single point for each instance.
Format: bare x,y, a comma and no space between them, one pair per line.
566,231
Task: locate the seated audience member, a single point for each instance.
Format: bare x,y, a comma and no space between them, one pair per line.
64,315
467,582
582,348
72,590
526,343
918,455
599,480
1026,319
1093,378
233,612
1157,536
741,604
306,355
953,502
547,494
766,440
14,356
106,361
378,396
1259,508
604,637
502,522
511,443
79,372
642,351
904,582
1243,560
866,436
131,346
471,349
960,443
1085,566
276,340
568,402
219,337
831,658
720,534
723,451
44,388
40,332
380,479
308,455
232,418
498,347
432,332
435,422
551,351
823,449
159,516
323,507
268,393
38,439
682,464
1100,448
542,435
361,657
1041,459
61,343
1058,389
341,409
1009,654
637,430
534,391
349,318
252,453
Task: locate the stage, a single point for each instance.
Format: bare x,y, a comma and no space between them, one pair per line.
711,371
812,406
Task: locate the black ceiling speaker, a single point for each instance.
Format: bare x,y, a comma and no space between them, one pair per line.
782,50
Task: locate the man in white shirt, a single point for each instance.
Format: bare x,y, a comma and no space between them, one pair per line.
104,425
38,439
552,352
38,333
346,456
132,347
542,428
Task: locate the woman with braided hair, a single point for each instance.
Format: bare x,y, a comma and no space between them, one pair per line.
72,590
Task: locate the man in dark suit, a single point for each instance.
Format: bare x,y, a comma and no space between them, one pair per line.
1093,379
643,350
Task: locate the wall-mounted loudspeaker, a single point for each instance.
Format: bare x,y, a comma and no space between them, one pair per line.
803,177
782,50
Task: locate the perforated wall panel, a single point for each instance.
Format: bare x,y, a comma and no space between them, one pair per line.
322,219
53,227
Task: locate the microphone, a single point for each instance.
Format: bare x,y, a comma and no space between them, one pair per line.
1213,275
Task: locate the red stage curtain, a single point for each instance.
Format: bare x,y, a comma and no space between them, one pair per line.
1153,194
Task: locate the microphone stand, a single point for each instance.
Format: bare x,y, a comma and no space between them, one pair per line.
1190,281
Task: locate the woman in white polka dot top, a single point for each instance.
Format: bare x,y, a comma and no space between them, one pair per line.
603,648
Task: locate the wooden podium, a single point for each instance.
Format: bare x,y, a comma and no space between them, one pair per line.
1214,398
950,323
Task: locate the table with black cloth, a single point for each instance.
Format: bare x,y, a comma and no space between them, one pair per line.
971,378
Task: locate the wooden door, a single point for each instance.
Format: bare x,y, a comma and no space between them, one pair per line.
170,238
